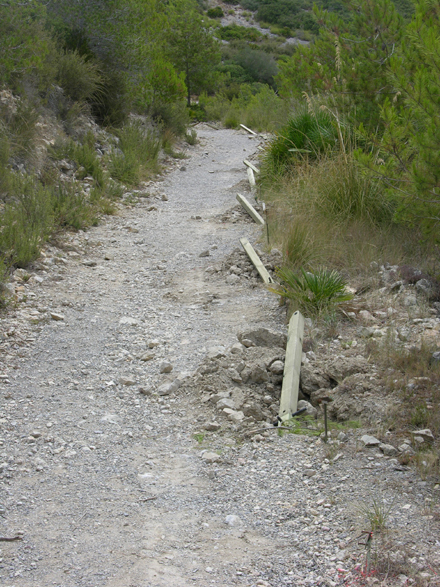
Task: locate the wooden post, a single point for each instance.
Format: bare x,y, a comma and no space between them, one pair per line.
256,261
251,132
251,177
251,166
292,367
250,209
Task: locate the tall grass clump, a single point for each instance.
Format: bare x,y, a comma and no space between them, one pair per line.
308,134
137,153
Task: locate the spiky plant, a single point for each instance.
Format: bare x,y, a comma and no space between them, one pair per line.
315,294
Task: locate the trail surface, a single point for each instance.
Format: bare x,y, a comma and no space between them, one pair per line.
106,484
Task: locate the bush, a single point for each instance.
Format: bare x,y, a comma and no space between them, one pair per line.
79,77
306,133
216,12
315,293
137,155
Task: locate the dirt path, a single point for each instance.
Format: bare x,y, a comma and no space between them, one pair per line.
106,484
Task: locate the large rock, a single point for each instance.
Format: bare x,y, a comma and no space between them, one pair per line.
357,397
169,387
259,373
264,337
343,367
312,379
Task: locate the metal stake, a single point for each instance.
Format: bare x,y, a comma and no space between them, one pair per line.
325,423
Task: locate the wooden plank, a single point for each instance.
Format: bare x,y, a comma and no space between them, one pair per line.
251,177
248,130
292,367
256,261
250,209
251,166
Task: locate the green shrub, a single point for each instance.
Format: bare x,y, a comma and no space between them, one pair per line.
26,220
137,155
191,137
79,77
306,133
70,207
315,293
216,12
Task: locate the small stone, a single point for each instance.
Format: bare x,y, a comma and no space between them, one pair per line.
205,253
370,441
166,367
277,368
310,410
164,198
388,450
89,263
57,317
232,279
127,381
366,317
146,356
108,257
226,403
210,457
212,426
232,520
127,321
153,343
145,391
235,416
237,348
259,374
168,388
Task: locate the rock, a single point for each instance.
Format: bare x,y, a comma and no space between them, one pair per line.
312,379
259,373
233,520
410,300
253,410
232,279
109,257
7,289
426,434
169,387
264,337
388,450
310,410
343,367
166,367
424,286
205,253
210,457
366,317
212,426
235,416
146,356
145,391
226,402
127,321
234,375
277,368
89,263
153,343
320,395
57,317
237,348
342,437
127,381
370,441
247,343
216,352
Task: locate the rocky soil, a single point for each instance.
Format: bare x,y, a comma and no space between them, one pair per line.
141,368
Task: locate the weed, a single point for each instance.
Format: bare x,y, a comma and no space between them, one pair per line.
191,137
377,514
199,436
301,425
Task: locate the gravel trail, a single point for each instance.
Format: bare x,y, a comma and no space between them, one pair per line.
106,484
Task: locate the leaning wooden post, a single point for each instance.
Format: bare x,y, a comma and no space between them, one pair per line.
292,367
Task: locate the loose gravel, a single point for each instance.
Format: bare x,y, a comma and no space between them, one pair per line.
110,484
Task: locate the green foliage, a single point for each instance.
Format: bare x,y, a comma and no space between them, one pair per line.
216,12
349,60
70,207
377,514
137,155
186,34
233,31
407,156
17,130
306,133
260,66
191,137
79,77
26,220
23,40
162,86
314,293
